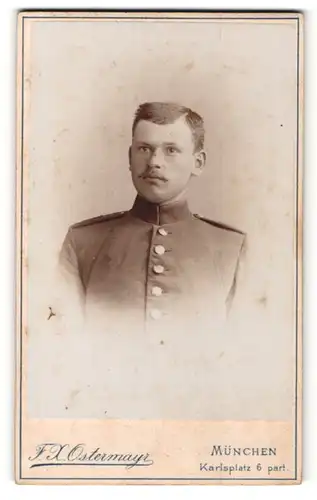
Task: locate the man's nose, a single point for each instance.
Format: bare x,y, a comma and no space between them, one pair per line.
156,159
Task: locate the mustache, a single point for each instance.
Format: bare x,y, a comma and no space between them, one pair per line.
152,175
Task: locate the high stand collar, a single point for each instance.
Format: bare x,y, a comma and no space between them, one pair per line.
160,214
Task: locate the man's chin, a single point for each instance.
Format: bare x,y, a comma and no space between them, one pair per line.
154,196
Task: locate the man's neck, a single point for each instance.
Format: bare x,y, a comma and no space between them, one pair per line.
180,198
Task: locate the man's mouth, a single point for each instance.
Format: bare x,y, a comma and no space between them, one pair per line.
154,177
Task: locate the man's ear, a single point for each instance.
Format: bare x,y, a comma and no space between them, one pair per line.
130,158
199,162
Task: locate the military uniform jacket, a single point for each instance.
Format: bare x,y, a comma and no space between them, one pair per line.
153,265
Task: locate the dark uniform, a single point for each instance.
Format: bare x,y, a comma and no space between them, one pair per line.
153,267
155,284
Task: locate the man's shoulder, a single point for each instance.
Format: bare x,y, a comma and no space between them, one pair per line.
227,243
225,229
96,221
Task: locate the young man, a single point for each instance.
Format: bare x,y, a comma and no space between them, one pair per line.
157,265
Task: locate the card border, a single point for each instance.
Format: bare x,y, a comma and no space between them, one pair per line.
69,15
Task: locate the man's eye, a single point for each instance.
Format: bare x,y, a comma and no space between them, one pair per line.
171,150
144,149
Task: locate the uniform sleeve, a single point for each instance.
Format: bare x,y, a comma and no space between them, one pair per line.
238,278
67,257
57,355
72,289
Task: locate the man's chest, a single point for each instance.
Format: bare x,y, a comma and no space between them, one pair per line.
158,273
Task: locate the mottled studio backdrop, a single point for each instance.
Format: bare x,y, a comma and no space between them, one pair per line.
83,82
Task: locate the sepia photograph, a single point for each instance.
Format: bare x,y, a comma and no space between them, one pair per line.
159,229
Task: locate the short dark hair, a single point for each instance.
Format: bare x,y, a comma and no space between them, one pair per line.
163,113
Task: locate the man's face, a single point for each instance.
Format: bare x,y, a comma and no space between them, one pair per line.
162,160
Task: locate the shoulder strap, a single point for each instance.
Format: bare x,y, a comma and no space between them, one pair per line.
219,224
100,218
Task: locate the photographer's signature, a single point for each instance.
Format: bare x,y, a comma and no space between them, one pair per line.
57,454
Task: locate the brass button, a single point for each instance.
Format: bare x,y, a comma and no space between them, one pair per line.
159,249
162,231
157,291
158,269
155,314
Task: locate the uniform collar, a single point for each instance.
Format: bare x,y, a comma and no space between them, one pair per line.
157,214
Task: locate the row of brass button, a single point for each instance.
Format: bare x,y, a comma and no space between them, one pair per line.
158,269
